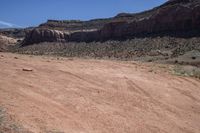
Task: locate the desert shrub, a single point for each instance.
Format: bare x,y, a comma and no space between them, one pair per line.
190,71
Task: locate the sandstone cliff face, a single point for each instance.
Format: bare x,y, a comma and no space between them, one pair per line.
175,16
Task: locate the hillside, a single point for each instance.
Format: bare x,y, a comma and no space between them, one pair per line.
14,32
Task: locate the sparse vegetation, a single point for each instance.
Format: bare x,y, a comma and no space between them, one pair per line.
145,49
8,126
190,71
54,131
1,116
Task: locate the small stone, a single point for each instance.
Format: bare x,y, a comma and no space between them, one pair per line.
193,57
27,69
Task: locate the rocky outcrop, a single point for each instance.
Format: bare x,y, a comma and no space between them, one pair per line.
44,35
175,16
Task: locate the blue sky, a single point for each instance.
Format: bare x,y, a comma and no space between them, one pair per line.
24,13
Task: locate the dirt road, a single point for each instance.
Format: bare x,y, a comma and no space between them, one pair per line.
95,96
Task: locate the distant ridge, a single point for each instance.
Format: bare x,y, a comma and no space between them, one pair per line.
175,18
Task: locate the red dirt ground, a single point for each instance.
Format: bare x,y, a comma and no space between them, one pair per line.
96,96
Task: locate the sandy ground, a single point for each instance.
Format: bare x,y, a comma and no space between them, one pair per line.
96,96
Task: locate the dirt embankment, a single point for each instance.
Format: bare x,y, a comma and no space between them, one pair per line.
97,96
